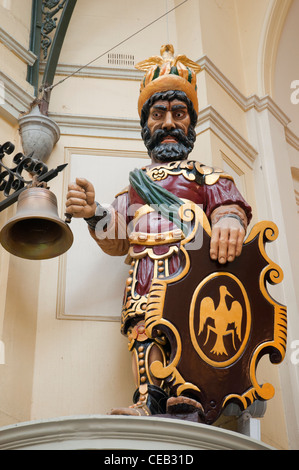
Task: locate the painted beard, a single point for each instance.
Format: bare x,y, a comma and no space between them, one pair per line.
167,152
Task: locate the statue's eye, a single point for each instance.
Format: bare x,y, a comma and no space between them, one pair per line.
156,114
179,114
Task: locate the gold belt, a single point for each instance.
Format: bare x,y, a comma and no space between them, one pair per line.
142,238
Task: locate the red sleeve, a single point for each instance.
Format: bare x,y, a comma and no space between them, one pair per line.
222,193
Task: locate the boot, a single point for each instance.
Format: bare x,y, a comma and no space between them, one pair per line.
182,407
148,400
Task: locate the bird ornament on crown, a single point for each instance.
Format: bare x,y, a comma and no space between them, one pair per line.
166,72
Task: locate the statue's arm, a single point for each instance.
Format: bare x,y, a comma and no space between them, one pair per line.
106,225
229,215
229,224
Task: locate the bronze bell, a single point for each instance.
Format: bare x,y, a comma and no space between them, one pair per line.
36,232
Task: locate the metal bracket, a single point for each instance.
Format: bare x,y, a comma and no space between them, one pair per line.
12,182
43,23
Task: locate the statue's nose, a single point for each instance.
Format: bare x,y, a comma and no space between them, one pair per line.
168,123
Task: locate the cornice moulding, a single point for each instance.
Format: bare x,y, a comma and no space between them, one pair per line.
292,138
209,66
16,99
101,72
245,103
210,119
17,48
97,126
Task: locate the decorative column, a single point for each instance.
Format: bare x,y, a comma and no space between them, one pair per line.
276,201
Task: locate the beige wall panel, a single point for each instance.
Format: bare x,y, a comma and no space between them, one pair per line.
273,424
16,18
226,106
202,149
9,133
220,38
286,72
189,38
87,268
225,158
100,97
250,20
201,81
95,30
13,67
81,367
19,330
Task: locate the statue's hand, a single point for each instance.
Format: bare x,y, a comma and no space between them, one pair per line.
80,200
226,239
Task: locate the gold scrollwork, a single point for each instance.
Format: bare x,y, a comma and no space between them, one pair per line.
186,168
160,172
266,231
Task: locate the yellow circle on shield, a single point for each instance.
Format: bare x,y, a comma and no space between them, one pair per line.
216,320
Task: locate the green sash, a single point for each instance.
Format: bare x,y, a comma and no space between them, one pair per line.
157,197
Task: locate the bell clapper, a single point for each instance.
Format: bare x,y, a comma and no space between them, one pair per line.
68,218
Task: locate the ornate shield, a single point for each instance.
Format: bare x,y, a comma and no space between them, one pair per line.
219,319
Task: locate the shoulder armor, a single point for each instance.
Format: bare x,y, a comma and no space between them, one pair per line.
122,192
211,175
192,170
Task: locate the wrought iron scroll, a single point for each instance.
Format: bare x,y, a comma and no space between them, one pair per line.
50,8
13,180
67,7
49,24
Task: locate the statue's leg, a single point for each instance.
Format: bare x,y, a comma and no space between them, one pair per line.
150,397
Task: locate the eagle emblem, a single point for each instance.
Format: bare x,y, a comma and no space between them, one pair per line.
223,316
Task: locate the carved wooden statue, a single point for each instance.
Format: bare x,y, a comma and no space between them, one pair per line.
196,310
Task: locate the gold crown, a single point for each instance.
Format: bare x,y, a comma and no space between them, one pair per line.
167,72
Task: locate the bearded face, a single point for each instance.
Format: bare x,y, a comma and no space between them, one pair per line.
168,126
164,152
